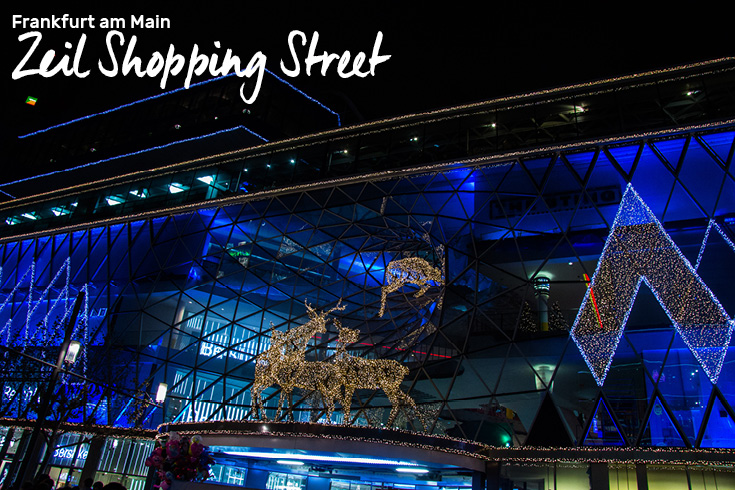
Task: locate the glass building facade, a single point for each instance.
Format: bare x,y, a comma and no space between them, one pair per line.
497,284
192,299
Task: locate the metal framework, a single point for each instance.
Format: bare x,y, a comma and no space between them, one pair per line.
507,248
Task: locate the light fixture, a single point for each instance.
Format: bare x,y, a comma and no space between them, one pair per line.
207,179
161,392
321,458
290,462
72,351
418,471
175,188
114,200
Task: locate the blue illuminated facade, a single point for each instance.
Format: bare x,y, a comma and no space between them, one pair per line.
202,289
189,292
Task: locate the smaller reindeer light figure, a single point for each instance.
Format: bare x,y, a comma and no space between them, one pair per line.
372,374
411,270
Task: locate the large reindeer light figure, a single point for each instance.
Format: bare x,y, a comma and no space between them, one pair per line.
411,270
372,374
283,362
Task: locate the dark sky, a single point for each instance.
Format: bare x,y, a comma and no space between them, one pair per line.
439,57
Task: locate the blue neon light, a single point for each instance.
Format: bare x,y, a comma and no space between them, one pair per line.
152,97
339,121
133,154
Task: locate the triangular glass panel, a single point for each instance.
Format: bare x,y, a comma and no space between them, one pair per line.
653,180
538,169
697,163
646,312
626,390
720,429
726,201
579,163
560,194
548,429
681,207
491,177
651,346
538,219
685,386
518,412
597,206
669,150
625,157
518,374
603,431
720,143
660,431
517,182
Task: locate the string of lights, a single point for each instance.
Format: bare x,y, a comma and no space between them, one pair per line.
411,270
637,250
710,225
139,152
169,92
451,445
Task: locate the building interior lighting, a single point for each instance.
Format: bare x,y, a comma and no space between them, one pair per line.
323,458
30,215
207,179
72,351
114,200
290,462
175,188
161,392
418,471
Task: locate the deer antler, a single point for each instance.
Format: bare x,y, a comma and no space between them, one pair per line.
338,307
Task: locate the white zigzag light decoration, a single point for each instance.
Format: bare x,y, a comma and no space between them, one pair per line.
637,250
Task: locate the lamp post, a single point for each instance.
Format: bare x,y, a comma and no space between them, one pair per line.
67,357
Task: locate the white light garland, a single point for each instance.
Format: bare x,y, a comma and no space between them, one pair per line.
712,224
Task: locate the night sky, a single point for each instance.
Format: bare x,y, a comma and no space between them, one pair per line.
439,57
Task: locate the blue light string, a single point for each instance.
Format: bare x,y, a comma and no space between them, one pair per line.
131,154
339,120
130,400
163,94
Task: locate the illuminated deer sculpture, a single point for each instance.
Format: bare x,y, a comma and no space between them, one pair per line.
358,373
284,364
411,270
